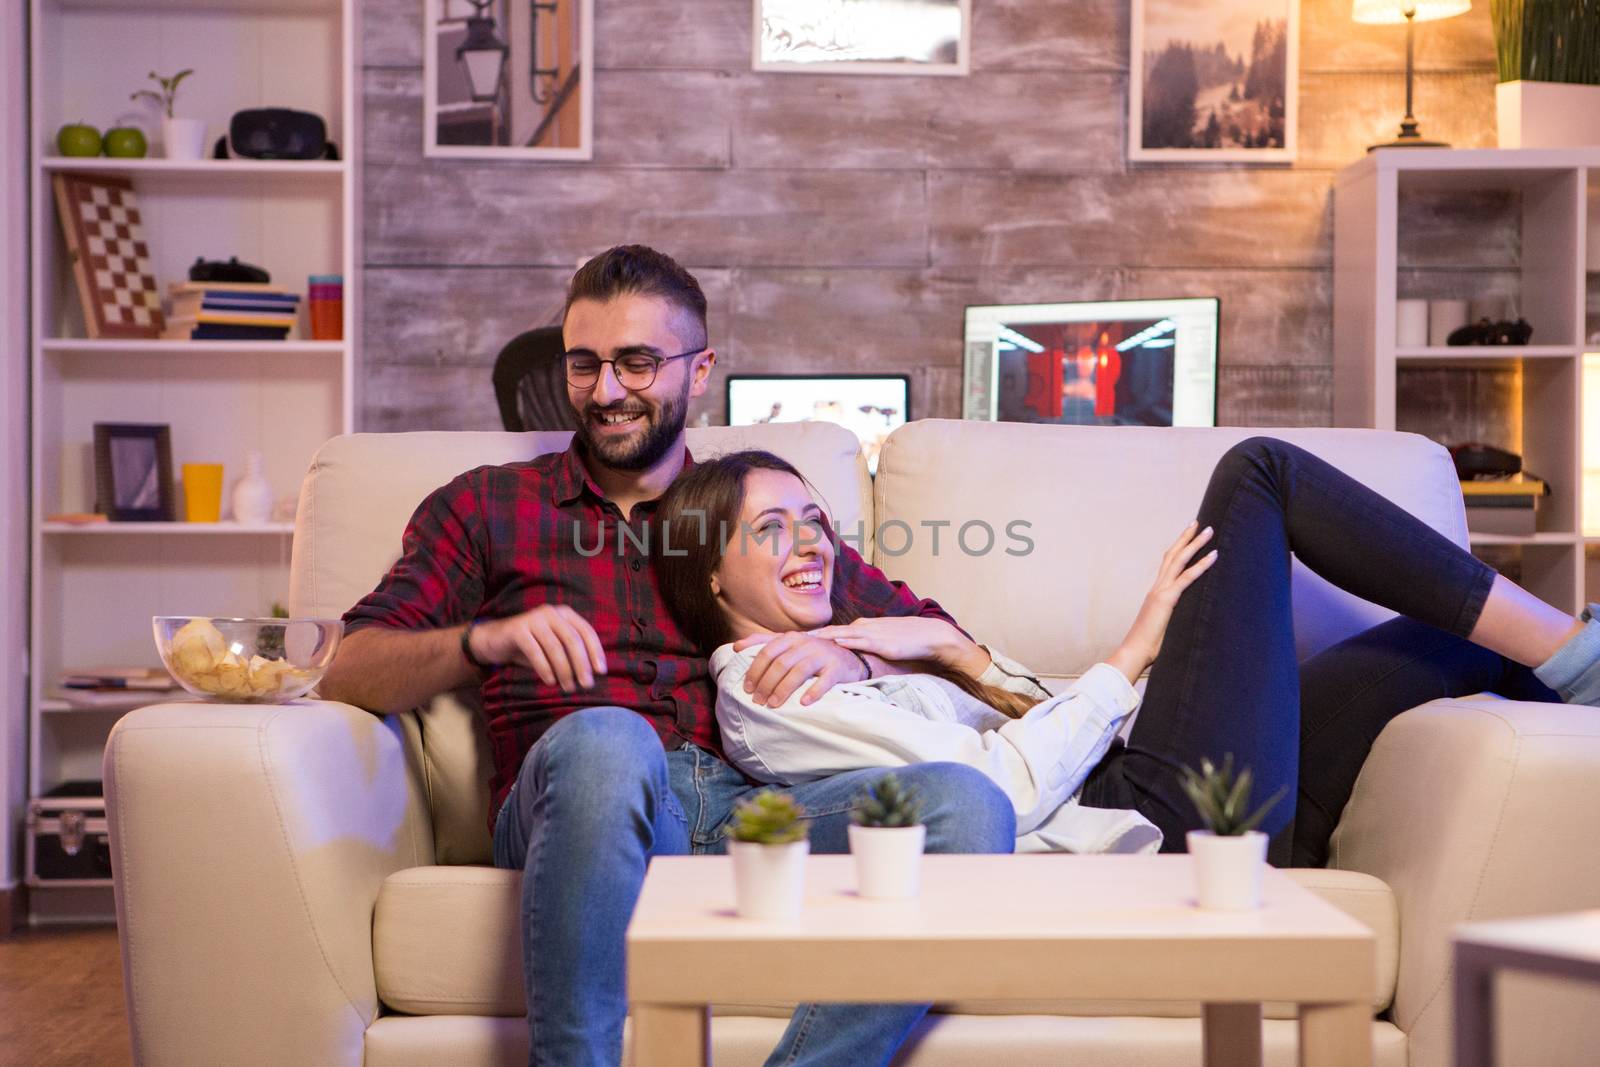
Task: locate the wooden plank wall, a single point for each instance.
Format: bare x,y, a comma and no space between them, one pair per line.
842,223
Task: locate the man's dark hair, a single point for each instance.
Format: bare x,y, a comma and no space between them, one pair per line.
642,270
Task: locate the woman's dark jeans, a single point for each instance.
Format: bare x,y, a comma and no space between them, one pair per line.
1227,680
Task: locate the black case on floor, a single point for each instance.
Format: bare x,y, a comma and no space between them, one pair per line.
67,840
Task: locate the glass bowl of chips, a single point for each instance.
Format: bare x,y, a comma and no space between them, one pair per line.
247,661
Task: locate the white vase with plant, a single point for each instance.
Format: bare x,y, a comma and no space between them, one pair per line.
1231,854
1548,54
181,138
767,839
886,839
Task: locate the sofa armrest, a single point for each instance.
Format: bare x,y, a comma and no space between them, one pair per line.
1476,808
249,843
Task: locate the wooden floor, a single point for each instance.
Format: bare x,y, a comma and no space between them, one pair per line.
61,991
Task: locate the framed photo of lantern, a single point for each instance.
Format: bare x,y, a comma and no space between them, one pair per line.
508,79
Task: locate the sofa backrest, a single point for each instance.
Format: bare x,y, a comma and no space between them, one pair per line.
362,489
1100,505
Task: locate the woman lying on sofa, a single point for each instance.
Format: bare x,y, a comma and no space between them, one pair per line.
1223,672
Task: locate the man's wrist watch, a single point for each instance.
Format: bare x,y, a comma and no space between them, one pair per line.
466,650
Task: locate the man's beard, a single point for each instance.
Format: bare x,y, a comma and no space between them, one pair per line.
639,451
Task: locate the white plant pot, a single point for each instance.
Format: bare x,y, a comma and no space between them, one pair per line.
1227,870
184,138
888,860
769,880
1531,114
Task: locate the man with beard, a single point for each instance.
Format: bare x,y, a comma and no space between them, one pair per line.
534,581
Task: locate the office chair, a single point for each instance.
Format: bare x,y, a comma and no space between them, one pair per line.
529,384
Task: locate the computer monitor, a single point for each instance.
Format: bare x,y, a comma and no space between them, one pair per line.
1108,363
869,404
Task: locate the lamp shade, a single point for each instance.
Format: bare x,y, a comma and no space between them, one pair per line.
1394,11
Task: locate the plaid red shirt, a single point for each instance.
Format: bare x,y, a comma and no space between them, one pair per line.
499,540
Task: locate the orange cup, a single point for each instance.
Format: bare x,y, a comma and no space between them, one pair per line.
202,492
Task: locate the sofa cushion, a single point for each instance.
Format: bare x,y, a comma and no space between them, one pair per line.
445,942
1101,504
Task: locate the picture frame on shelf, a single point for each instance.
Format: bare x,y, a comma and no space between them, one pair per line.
1213,81
503,79
863,36
133,471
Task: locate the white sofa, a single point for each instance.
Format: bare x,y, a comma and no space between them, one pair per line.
306,883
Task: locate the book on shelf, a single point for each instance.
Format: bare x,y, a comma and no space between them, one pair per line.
124,699
233,318
238,288
217,331
1504,506
116,673
1479,491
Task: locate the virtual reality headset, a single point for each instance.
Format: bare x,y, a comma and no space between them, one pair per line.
276,133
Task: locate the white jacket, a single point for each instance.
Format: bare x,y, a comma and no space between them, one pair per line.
1041,760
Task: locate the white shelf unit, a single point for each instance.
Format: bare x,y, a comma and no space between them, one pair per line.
1554,187
96,586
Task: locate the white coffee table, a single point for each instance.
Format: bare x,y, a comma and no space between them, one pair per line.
1000,928
1567,946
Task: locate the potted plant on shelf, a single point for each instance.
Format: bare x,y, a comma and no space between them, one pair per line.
886,840
1230,854
182,138
1548,54
769,846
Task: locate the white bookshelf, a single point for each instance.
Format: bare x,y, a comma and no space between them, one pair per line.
95,586
1556,188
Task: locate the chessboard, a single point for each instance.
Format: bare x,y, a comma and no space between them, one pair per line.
110,259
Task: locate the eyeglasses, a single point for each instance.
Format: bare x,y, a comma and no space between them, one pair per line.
635,371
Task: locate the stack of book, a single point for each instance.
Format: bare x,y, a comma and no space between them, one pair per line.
116,687
1506,506
230,311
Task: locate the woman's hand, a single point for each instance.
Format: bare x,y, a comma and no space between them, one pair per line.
789,660
909,637
1177,573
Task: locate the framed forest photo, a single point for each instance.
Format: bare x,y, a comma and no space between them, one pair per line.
1213,80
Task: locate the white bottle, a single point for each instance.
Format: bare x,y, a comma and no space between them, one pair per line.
252,497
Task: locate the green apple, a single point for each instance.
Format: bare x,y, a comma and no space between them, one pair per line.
78,140
126,142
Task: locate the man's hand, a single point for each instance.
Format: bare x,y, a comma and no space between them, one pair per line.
557,642
911,637
1143,642
790,659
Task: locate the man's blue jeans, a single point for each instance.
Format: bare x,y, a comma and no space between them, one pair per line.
598,796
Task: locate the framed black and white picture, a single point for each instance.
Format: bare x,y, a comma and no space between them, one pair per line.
133,472
863,36
871,405
506,79
1213,80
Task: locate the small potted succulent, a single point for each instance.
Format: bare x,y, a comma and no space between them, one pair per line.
1230,855
769,846
886,840
183,138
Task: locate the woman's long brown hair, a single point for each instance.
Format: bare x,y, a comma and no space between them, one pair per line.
698,517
